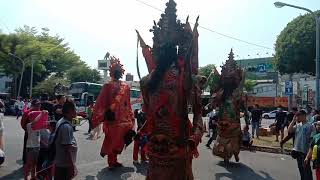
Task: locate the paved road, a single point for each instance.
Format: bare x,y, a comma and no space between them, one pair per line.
253,166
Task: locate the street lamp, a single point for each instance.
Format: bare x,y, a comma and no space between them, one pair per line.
317,19
22,70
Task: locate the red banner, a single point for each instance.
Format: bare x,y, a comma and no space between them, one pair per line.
268,101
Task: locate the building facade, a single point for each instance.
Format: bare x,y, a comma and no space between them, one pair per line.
5,83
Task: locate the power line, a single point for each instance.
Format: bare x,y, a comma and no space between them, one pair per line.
208,29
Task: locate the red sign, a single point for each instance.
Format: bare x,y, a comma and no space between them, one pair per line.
268,101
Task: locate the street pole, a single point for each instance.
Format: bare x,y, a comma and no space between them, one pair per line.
22,70
290,96
317,60
31,78
21,77
317,19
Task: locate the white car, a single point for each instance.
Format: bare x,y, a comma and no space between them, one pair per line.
271,114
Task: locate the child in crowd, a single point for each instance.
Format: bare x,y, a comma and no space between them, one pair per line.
33,147
314,150
141,138
43,153
247,138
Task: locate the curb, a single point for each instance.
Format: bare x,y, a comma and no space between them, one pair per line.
270,150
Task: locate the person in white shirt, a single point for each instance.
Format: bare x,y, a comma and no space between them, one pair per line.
18,106
33,147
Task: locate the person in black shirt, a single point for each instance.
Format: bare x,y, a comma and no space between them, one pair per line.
256,115
213,119
45,104
57,109
290,117
280,123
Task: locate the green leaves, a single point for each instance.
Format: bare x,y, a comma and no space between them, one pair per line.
52,57
205,71
249,85
295,46
83,74
47,86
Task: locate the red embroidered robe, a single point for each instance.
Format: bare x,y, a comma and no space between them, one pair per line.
114,96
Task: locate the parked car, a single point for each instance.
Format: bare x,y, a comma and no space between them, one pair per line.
9,107
271,114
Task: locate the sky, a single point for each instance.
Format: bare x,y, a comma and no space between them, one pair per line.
95,27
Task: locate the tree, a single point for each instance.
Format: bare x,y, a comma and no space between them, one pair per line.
83,74
205,71
51,55
295,46
47,86
249,85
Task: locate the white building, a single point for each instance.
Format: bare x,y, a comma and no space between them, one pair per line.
5,83
265,88
304,87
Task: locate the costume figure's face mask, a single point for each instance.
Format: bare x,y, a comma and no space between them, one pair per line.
117,75
230,82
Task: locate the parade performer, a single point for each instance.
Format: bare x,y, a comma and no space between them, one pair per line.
228,96
113,109
171,85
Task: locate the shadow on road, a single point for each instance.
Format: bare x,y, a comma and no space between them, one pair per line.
238,171
142,168
116,174
16,174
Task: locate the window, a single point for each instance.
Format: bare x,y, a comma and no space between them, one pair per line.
134,93
8,84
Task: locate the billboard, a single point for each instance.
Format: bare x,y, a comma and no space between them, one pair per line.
103,64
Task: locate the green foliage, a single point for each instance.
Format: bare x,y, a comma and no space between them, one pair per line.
249,85
47,86
205,71
295,46
83,74
52,56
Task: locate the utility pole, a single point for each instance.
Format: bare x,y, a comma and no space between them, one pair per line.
22,70
31,78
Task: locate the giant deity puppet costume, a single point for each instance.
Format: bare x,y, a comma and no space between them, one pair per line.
113,109
228,97
172,84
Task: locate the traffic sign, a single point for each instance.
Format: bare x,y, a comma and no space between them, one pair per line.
289,88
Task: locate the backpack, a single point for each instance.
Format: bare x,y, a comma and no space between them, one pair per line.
52,147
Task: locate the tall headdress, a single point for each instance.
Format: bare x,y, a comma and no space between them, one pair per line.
115,65
231,69
171,31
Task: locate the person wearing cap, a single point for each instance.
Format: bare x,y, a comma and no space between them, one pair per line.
303,131
35,106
